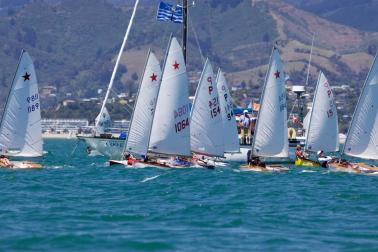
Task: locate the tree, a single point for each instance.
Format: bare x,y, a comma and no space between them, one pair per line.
266,38
134,76
372,49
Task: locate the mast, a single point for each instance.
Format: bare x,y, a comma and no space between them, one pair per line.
118,59
309,60
184,27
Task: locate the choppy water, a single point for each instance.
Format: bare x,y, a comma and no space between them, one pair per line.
77,203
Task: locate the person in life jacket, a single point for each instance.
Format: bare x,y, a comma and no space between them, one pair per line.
299,153
323,160
5,162
130,159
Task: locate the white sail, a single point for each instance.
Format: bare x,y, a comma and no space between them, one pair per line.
170,130
231,138
362,138
21,131
323,130
306,120
271,129
103,122
141,123
206,129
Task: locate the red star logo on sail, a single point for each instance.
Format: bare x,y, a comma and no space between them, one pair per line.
26,76
153,77
277,74
176,65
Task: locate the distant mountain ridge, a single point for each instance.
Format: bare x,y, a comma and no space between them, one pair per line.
74,43
360,14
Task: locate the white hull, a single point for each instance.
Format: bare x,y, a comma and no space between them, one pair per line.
240,157
108,147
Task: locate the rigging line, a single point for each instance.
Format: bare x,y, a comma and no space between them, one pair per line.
197,41
309,60
74,149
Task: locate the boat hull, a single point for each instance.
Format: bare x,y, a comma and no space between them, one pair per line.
23,165
267,168
109,147
240,157
118,162
306,162
354,168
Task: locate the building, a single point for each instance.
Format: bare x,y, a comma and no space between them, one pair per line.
64,125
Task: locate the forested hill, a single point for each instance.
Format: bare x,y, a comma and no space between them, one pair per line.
74,43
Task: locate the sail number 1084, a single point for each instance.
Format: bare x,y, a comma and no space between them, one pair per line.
181,125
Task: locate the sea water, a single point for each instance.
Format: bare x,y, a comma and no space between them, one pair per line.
78,203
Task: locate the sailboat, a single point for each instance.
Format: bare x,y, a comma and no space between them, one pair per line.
20,129
271,139
170,134
232,150
322,131
362,140
103,122
107,144
141,123
231,139
206,132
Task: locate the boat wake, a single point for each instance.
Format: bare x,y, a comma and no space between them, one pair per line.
308,171
150,178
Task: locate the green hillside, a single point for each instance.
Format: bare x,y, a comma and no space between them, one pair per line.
360,14
74,44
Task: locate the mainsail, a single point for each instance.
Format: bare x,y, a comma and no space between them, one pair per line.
141,122
323,130
20,130
271,130
230,139
206,132
362,138
170,130
103,122
306,121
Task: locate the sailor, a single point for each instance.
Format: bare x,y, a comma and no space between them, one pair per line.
249,157
298,152
89,150
257,162
245,122
323,160
130,159
4,161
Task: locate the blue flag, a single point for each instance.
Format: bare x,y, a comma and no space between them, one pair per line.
167,12
177,15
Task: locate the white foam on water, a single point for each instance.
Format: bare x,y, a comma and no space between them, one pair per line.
307,171
150,178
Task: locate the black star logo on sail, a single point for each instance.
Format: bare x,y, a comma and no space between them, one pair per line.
26,76
277,74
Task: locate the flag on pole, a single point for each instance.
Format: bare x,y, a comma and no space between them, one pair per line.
166,12
177,15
